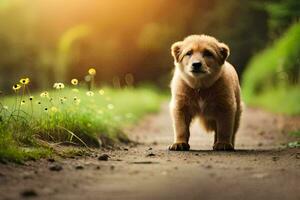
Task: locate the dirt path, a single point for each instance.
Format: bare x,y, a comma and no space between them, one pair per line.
259,169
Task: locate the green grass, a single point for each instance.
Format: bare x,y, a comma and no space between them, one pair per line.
296,143
295,133
96,121
271,79
10,150
285,100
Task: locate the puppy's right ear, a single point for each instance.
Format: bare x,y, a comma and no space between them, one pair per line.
176,50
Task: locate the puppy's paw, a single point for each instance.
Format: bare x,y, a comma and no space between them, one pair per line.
179,147
221,146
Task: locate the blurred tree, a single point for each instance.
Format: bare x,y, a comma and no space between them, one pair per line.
65,45
54,40
17,31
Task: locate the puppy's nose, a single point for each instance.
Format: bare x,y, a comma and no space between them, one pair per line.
196,67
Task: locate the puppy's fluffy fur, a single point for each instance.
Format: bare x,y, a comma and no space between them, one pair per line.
204,85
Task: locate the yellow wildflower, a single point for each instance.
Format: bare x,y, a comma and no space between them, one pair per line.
74,81
101,92
90,93
44,94
92,71
23,102
24,81
16,87
31,98
77,102
58,86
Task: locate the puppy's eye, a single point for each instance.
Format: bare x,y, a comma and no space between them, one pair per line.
207,53
189,53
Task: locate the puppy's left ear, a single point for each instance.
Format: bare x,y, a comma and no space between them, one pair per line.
224,50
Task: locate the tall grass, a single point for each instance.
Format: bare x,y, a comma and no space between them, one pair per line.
30,125
272,77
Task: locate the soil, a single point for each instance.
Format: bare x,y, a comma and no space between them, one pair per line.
262,167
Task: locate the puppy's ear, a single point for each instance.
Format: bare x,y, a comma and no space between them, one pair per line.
176,50
224,50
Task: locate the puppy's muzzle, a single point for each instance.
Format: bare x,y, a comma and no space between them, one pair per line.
197,68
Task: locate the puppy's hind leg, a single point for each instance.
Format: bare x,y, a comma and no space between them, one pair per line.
236,124
181,124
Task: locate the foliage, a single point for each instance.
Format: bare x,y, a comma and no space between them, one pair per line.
272,77
282,13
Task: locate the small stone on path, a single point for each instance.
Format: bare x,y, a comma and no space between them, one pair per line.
98,167
103,157
208,166
275,158
55,167
29,193
150,155
79,167
51,160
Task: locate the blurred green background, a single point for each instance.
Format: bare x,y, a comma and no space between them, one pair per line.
54,40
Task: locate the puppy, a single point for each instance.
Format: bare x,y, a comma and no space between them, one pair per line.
204,85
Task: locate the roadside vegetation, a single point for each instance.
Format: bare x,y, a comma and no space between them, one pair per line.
31,125
272,78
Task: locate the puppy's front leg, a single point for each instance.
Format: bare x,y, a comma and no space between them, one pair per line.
224,133
181,124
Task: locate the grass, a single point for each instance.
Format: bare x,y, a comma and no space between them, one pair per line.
296,143
271,79
283,100
31,125
295,133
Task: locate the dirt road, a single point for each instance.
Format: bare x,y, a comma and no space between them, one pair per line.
259,169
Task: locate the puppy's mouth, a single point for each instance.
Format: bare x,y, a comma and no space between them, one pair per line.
200,71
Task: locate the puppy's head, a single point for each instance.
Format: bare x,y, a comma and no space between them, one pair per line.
199,58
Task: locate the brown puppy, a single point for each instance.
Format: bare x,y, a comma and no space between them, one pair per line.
204,85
